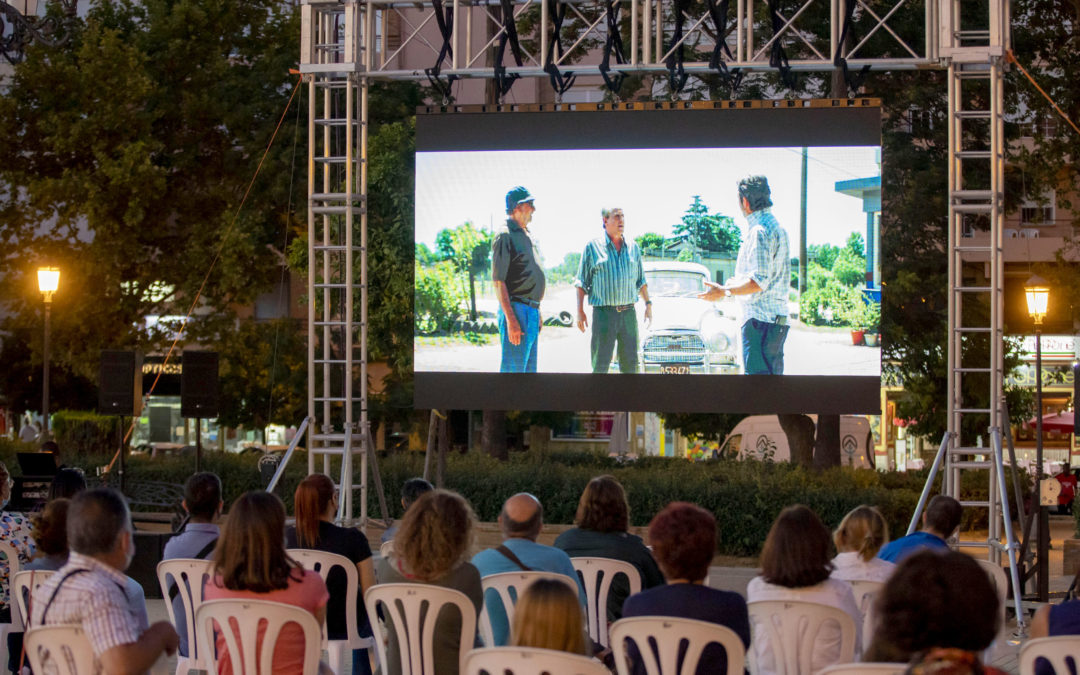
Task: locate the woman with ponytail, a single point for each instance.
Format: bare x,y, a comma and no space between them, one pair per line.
316,504
860,536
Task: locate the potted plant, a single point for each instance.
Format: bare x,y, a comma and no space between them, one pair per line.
854,317
872,321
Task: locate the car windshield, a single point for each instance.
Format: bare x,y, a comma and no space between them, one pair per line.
675,284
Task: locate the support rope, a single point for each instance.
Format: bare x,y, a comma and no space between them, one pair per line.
719,13
560,81
677,74
1011,58
777,56
853,80
612,45
444,17
509,36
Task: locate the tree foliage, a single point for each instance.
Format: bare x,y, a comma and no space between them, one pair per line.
707,231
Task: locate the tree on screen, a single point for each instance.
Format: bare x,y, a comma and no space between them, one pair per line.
705,231
469,249
650,243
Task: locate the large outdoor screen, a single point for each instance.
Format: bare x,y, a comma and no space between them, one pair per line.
716,257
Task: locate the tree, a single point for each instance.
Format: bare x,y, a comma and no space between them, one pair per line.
263,374
469,249
856,244
707,231
650,242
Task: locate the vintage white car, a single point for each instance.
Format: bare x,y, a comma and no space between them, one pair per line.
688,335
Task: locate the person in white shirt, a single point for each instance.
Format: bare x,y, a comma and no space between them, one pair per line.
862,532
795,566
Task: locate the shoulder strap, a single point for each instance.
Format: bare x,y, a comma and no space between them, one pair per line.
56,590
513,558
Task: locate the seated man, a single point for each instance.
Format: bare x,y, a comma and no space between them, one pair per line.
940,520
520,521
89,589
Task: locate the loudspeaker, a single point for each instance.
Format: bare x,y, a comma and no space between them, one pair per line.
117,383
1076,398
199,385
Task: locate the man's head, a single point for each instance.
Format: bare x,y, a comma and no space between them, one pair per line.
519,205
412,489
754,194
942,516
52,448
522,517
99,526
613,222
202,496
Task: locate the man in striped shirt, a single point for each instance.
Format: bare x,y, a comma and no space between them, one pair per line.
761,280
612,276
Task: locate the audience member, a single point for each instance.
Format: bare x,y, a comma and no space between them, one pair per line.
14,530
548,616
683,537
250,562
432,547
938,608
53,448
410,492
50,535
1054,621
861,534
795,565
197,539
66,484
940,520
90,589
520,521
602,520
316,502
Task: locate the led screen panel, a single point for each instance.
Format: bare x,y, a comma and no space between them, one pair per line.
637,276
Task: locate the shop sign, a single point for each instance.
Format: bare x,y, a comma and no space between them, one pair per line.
585,427
1054,348
1053,377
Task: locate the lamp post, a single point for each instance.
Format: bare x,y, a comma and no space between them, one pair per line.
1037,294
48,280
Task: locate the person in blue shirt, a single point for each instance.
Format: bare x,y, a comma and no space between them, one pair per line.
520,521
940,520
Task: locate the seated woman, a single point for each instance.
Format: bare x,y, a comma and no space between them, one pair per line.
937,611
602,519
50,533
250,563
15,531
432,547
862,532
795,565
316,502
683,537
548,616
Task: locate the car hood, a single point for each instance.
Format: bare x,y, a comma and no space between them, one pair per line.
680,313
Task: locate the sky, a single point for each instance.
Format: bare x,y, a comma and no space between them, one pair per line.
654,187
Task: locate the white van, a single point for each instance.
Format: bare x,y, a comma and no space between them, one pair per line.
761,436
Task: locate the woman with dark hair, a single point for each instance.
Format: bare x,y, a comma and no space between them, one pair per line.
66,484
683,537
432,547
602,520
250,563
795,565
937,611
316,503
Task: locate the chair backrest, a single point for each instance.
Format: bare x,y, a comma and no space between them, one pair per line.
238,621
1059,651
865,592
857,668
188,576
792,629
413,610
322,562
63,650
508,586
529,661
21,589
596,576
12,561
659,639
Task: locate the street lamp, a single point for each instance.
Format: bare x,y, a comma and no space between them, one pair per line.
48,281
1037,294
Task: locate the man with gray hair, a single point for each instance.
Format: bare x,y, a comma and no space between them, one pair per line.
89,589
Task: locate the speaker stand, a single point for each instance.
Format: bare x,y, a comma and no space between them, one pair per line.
198,444
120,436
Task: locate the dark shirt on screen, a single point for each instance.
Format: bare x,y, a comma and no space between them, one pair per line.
515,261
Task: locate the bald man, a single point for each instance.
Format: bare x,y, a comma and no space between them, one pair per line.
520,521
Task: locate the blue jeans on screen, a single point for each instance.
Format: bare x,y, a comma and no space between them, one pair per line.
763,347
520,358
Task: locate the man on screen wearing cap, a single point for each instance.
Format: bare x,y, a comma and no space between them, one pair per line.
518,276
762,276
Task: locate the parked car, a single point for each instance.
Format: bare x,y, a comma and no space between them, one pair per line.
762,437
687,335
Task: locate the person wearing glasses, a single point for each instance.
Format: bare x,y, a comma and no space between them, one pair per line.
15,530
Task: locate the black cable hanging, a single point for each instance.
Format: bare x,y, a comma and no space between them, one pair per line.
853,80
733,77
504,81
613,45
777,57
444,17
560,82
676,73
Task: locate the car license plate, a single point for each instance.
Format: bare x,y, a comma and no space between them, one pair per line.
675,370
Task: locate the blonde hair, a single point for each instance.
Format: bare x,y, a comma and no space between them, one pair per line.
435,534
862,530
548,616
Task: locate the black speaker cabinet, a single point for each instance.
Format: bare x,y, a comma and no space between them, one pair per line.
199,385
117,383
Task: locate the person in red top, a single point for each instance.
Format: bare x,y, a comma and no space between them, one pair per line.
1068,488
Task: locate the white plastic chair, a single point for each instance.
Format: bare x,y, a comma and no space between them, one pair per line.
322,562
1059,651
16,624
189,575
865,592
21,589
63,650
1001,585
413,610
669,633
508,586
239,621
857,668
529,661
596,576
792,629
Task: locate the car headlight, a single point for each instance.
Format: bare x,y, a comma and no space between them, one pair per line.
719,342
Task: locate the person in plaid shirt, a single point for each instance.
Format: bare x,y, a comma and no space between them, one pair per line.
761,279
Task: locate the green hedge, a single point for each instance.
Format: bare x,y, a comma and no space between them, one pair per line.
79,432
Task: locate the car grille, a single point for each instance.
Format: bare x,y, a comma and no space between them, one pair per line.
688,348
